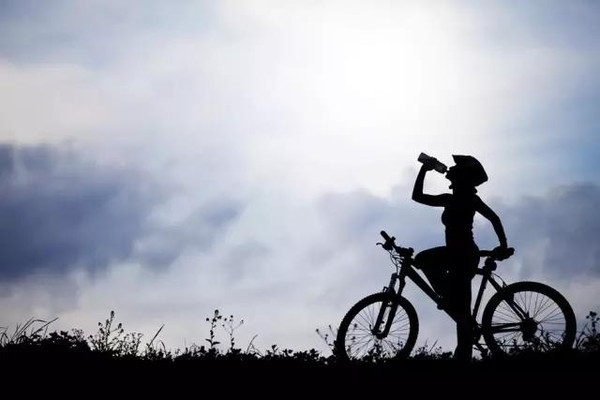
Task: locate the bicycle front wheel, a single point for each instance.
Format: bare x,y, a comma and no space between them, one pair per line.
380,326
528,316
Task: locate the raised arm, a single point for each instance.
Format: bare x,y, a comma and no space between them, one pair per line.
488,213
427,199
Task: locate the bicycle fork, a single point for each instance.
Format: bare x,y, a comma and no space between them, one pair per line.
387,312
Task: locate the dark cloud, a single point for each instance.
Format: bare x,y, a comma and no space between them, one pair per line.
567,224
57,211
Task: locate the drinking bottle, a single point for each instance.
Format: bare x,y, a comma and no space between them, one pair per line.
438,166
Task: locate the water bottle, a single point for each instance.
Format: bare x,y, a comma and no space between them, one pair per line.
438,166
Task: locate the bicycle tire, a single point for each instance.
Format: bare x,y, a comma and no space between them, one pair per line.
356,341
551,324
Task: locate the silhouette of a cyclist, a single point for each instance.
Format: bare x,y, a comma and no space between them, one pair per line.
451,268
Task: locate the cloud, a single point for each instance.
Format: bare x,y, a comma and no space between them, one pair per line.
93,34
163,243
58,212
557,233
344,95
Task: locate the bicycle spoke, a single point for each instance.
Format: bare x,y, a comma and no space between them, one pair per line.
556,314
391,347
543,306
526,302
357,350
503,311
548,305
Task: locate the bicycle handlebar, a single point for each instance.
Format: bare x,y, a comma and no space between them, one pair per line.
390,242
390,245
387,237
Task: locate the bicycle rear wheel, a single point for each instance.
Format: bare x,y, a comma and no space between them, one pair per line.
528,316
359,338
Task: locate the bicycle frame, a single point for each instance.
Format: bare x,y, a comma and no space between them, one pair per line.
405,269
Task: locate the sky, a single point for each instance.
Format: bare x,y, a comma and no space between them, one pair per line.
166,159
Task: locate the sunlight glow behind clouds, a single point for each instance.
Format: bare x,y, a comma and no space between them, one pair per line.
338,96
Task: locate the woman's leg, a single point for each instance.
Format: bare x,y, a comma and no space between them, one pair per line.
434,264
464,321
462,270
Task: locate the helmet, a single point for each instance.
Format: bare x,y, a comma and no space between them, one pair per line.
470,169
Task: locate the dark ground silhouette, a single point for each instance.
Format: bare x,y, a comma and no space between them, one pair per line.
70,365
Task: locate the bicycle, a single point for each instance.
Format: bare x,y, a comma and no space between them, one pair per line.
519,316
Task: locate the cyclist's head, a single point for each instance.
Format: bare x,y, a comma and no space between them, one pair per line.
467,172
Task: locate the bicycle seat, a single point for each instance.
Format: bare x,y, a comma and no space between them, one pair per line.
498,254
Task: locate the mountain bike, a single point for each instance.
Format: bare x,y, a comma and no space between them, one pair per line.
517,317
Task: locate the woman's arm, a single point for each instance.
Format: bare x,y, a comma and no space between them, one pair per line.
488,213
427,199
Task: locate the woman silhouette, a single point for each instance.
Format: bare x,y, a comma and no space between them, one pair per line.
451,268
